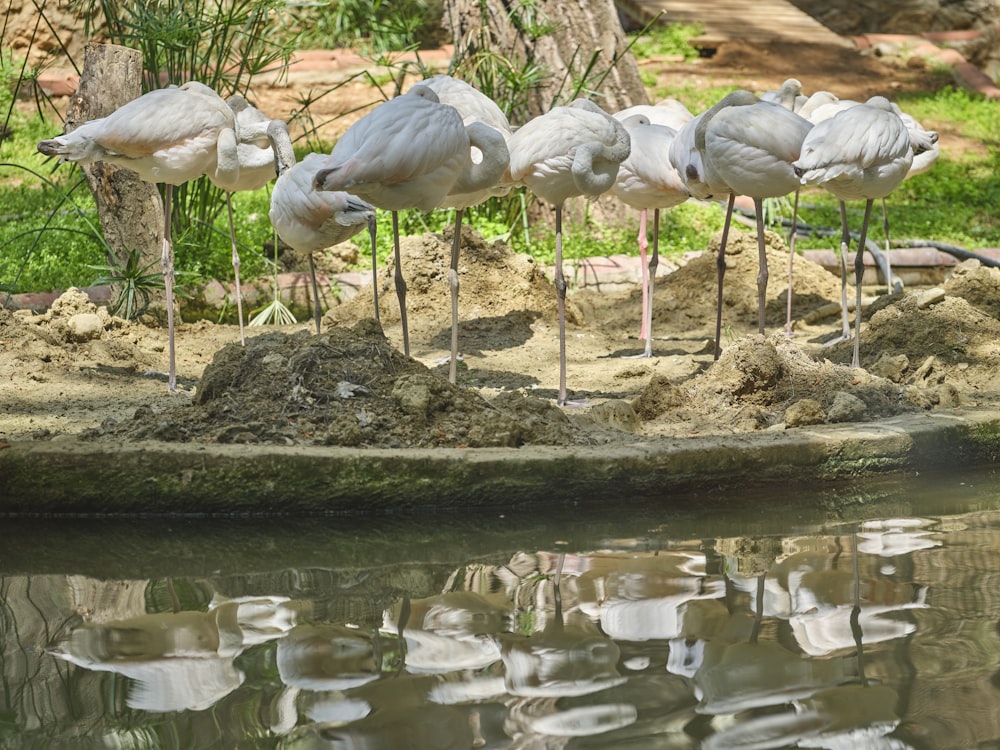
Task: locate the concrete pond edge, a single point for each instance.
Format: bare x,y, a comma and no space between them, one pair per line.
87,478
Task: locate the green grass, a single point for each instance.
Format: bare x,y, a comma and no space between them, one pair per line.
970,115
49,231
667,39
954,203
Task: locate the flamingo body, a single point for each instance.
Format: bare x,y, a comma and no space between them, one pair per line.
747,146
862,152
253,154
168,135
752,148
481,177
648,180
687,152
569,151
406,153
309,220
488,130
472,104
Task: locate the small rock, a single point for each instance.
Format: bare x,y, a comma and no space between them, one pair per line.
921,396
929,297
847,408
69,303
804,412
274,360
948,395
101,352
965,267
617,414
891,367
420,395
84,327
346,389
926,369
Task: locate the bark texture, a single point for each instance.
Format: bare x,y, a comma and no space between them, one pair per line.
580,45
130,210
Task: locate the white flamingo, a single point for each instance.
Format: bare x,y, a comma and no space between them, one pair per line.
752,148
569,151
749,146
256,169
648,180
489,158
406,153
168,136
703,184
862,153
309,220
790,96
923,143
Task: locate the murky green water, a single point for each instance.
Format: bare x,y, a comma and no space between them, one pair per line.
852,617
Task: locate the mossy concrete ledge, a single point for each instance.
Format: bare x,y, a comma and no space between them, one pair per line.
74,477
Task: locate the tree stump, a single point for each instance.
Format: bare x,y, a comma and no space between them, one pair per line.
130,210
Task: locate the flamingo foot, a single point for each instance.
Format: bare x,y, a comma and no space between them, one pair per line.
177,390
841,338
640,355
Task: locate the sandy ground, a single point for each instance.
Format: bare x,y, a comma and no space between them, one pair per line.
77,371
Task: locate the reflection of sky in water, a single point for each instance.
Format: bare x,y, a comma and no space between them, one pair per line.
842,639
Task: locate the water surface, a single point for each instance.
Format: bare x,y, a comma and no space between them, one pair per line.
854,616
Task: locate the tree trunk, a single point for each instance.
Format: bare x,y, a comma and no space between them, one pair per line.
581,49
580,46
130,210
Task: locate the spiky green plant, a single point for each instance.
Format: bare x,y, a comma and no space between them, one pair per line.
136,284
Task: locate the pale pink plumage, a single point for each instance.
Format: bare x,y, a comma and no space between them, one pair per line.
861,153
307,219
748,146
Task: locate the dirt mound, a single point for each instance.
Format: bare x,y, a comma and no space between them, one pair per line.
348,387
690,293
73,332
686,299
495,284
761,382
942,342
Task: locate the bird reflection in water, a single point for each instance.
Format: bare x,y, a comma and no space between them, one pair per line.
178,660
